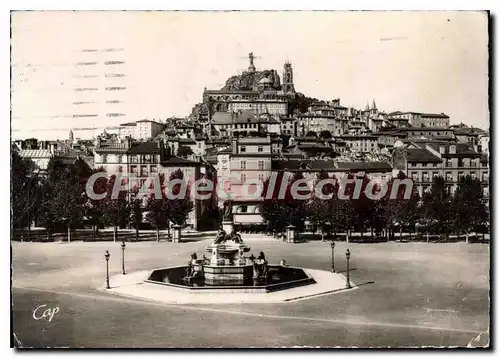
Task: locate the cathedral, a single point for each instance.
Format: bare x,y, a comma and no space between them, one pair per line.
260,92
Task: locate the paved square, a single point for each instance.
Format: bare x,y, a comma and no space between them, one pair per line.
409,294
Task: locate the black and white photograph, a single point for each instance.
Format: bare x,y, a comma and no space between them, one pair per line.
250,179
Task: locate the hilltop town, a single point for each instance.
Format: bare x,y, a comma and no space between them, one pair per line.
259,123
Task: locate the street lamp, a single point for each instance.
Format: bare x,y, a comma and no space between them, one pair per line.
332,244
106,255
348,256
123,257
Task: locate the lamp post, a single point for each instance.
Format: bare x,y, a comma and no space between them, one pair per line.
123,257
106,255
348,256
332,244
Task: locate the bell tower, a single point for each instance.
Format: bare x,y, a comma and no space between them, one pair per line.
288,78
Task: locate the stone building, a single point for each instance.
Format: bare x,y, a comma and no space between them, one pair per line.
422,160
147,159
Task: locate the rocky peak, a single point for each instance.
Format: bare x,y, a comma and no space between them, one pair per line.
247,80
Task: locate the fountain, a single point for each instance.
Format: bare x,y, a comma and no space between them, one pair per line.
228,268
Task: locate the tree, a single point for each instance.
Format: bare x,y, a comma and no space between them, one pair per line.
325,134
468,207
272,207
180,207
157,214
398,210
340,214
135,208
296,207
436,205
311,134
318,208
184,151
279,211
160,211
26,191
64,196
362,206
116,211
93,208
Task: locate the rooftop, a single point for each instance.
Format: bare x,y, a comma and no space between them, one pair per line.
35,153
234,117
330,165
421,155
174,160
144,148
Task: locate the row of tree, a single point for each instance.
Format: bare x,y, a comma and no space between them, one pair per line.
59,200
437,211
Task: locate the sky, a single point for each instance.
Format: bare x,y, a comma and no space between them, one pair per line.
409,61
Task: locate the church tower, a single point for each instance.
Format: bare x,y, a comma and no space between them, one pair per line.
288,79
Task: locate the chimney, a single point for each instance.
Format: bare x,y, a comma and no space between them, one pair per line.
453,149
235,146
441,149
52,148
160,143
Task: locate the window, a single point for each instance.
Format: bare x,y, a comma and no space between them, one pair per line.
154,169
425,176
261,165
448,162
243,149
119,157
485,177
435,174
243,164
104,158
473,163
261,177
133,159
460,174
134,169
260,149
449,176
473,175
414,176
144,170
460,163
243,178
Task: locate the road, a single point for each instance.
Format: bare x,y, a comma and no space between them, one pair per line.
407,305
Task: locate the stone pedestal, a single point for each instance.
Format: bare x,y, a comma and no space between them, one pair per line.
177,233
227,226
290,234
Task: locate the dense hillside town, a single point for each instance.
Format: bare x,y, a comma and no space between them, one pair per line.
257,124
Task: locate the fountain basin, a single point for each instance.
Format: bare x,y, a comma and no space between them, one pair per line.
280,278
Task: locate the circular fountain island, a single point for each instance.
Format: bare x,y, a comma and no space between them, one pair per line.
227,272
226,266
